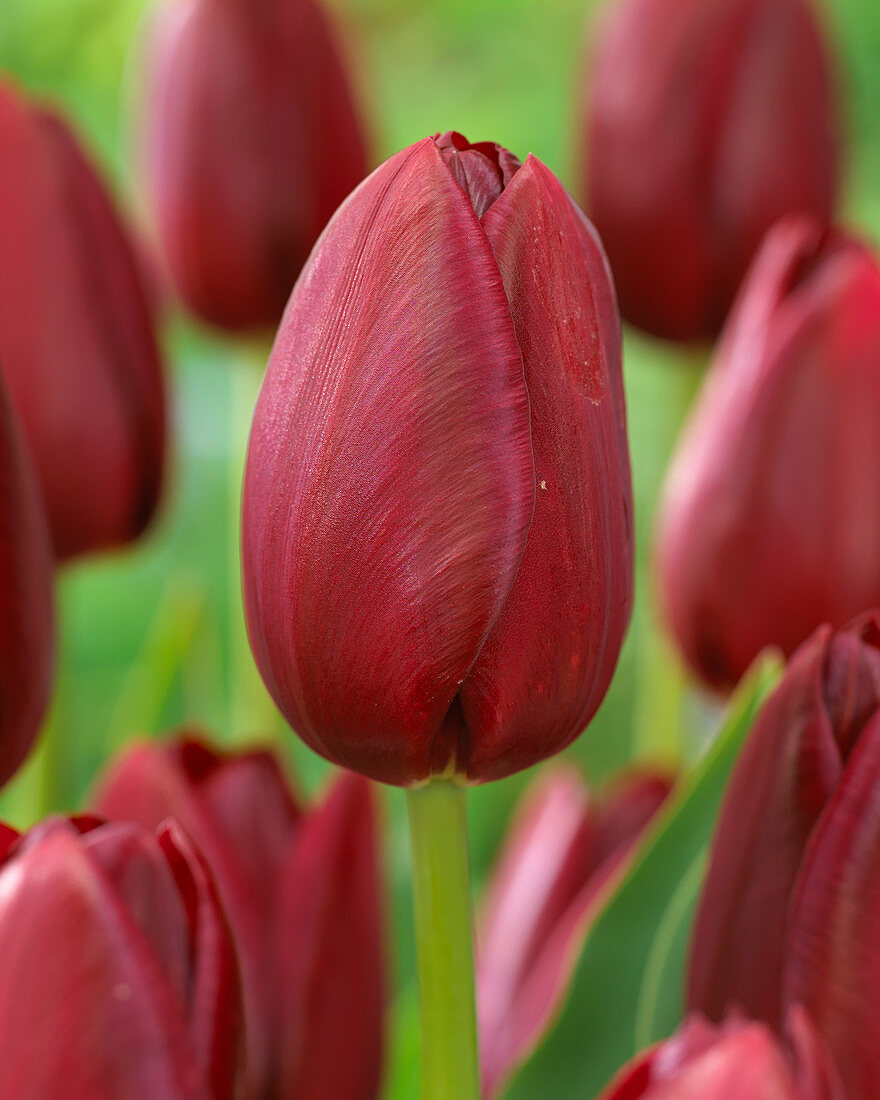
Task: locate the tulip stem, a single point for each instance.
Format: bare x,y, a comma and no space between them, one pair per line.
444,941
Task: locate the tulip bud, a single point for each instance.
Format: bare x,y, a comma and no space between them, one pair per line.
739,1059
792,785
769,524
252,141
560,857
118,975
301,892
686,166
26,615
77,348
437,539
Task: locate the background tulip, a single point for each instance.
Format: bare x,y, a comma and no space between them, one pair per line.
252,141
686,166
118,976
437,529
563,851
302,894
76,342
26,627
770,524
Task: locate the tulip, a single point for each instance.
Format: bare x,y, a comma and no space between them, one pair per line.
686,164
770,524
76,343
26,613
560,858
437,514
790,911
117,972
739,1059
252,141
302,895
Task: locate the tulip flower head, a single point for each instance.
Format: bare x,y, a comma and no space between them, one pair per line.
770,523
562,854
117,970
301,890
437,528
686,167
77,348
252,141
790,912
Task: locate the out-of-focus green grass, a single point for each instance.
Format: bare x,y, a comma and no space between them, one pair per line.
152,638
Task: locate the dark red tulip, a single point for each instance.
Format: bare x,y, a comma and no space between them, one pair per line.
790,911
686,166
26,615
738,1060
252,141
770,523
437,542
117,971
562,854
76,342
302,894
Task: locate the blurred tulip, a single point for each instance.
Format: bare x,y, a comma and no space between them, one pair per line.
686,164
117,973
437,542
303,898
770,523
252,141
561,856
76,342
738,1060
790,911
26,614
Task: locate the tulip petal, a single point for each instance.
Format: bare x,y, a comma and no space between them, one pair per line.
389,484
549,659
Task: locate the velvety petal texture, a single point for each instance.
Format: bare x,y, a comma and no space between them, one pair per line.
75,320
302,893
437,529
684,166
770,518
116,969
252,140
26,606
563,851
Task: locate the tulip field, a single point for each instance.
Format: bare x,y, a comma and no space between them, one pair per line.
439,550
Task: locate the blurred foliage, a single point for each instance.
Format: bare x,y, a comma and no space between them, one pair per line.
153,638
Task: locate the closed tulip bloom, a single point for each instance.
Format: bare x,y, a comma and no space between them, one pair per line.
26,612
562,854
770,521
252,141
738,1059
437,536
116,968
301,889
685,167
77,347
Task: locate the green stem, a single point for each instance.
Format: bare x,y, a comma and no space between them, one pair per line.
444,941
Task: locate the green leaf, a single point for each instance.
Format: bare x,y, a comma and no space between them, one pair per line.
626,991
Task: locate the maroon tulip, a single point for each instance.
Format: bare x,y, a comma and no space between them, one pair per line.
302,895
76,342
791,906
437,506
26,617
687,163
770,524
739,1060
252,142
117,972
560,858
